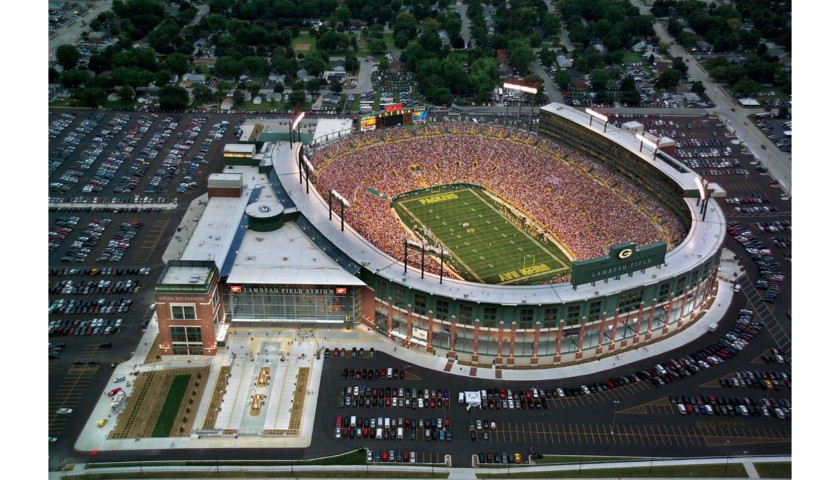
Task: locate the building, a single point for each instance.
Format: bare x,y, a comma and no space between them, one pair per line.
280,254
189,308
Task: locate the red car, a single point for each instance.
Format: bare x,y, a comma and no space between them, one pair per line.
115,391
384,455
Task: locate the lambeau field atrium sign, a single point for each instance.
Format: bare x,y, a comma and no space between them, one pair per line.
623,258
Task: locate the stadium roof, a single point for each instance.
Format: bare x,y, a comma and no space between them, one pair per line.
286,256
283,256
703,240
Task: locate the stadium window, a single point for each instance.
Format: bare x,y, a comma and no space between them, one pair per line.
526,318
419,304
381,288
594,310
550,318
399,297
489,317
572,314
465,312
629,301
663,292
183,312
442,310
680,285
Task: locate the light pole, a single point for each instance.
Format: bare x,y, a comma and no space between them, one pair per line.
615,407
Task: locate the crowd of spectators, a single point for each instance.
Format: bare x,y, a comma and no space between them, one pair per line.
586,207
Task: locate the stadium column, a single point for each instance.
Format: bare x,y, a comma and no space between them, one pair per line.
390,316
614,329
557,356
601,333
648,334
668,313
694,301
639,322
512,342
451,353
431,335
500,334
475,341
536,347
408,326
682,309
581,334
624,336
707,291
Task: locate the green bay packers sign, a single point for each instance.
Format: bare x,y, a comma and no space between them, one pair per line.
623,258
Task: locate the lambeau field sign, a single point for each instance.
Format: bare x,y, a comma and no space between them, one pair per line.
623,258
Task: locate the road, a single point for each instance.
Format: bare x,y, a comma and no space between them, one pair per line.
465,28
778,162
551,91
564,34
71,33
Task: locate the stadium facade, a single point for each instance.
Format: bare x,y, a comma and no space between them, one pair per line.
272,254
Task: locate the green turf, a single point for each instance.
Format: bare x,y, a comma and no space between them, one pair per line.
166,419
490,249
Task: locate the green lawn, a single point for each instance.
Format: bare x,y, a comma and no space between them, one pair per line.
304,38
485,246
631,57
167,419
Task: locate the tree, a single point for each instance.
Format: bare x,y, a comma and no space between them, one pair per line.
67,56
668,79
313,86
177,63
90,97
335,86
563,78
238,96
680,66
406,25
698,88
54,75
377,47
296,99
351,63
73,78
173,98
202,94
314,63
520,55
126,94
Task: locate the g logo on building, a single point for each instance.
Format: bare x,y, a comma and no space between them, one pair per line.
264,208
625,253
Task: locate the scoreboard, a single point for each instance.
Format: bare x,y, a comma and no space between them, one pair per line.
394,115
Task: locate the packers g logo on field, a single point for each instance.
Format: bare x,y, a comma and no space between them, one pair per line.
625,253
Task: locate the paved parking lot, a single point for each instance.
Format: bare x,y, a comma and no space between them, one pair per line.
643,420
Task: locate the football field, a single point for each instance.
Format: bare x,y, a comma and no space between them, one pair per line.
485,246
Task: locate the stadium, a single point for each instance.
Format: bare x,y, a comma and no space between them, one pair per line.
478,242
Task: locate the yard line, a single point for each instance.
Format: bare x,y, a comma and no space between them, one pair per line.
526,235
451,252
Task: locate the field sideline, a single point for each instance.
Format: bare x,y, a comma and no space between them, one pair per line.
485,246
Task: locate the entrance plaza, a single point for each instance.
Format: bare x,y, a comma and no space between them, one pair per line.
287,412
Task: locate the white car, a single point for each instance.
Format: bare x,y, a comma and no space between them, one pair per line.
585,389
338,432
64,410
